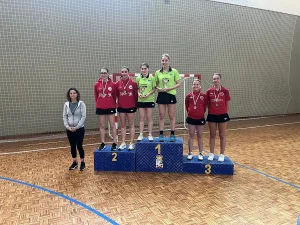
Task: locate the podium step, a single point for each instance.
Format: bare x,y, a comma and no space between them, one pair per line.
208,167
158,156
107,160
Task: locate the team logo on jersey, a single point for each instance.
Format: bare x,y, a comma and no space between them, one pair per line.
171,74
201,97
191,97
221,93
109,88
211,93
149,80
130,87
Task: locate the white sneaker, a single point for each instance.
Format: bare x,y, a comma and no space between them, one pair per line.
122,146
131,146
140,138
150,138
200,156
221,158
190,156
211,156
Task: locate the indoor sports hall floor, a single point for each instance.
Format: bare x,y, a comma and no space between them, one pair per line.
36,186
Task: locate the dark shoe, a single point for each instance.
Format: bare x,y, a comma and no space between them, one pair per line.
73,166
113,147
82,166
102,146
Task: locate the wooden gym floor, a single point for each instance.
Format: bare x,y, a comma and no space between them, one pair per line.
36,186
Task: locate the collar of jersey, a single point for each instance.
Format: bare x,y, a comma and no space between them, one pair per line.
146,76
162,70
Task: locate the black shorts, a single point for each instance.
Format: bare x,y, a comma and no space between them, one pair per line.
126,110
146,105
195,121
105,111
165,98
218,118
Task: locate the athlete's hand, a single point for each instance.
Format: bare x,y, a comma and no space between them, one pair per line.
160,89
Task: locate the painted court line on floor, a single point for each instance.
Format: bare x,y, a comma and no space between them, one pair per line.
267,175
264,174
233,129
64,197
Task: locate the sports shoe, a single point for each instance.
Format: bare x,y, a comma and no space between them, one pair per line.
221,158
211,156
150,138
102,146
122,146
140,137
113,147
131,146
82,166
200,156
190,156
172,138
73,166
161,138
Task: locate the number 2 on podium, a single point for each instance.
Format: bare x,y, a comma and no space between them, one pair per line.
158,149
114,158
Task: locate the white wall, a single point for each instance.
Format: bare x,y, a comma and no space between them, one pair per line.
285,6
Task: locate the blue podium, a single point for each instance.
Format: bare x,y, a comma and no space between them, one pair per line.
159,156
107,160
208,167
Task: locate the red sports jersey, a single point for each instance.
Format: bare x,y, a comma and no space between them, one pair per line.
127,93
195,111
216,100
105,94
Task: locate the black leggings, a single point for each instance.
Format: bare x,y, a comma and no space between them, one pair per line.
76,138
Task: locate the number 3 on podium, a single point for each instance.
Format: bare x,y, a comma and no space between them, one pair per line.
208,169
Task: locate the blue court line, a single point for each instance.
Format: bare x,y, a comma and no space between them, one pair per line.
298,222
63,196
267,175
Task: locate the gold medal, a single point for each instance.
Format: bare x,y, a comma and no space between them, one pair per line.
195,101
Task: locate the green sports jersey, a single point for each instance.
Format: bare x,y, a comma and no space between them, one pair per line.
167,80
145,86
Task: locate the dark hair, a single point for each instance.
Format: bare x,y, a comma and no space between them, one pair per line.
125,67
145,64
196,79
218,74
165,55
104,68
73,89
